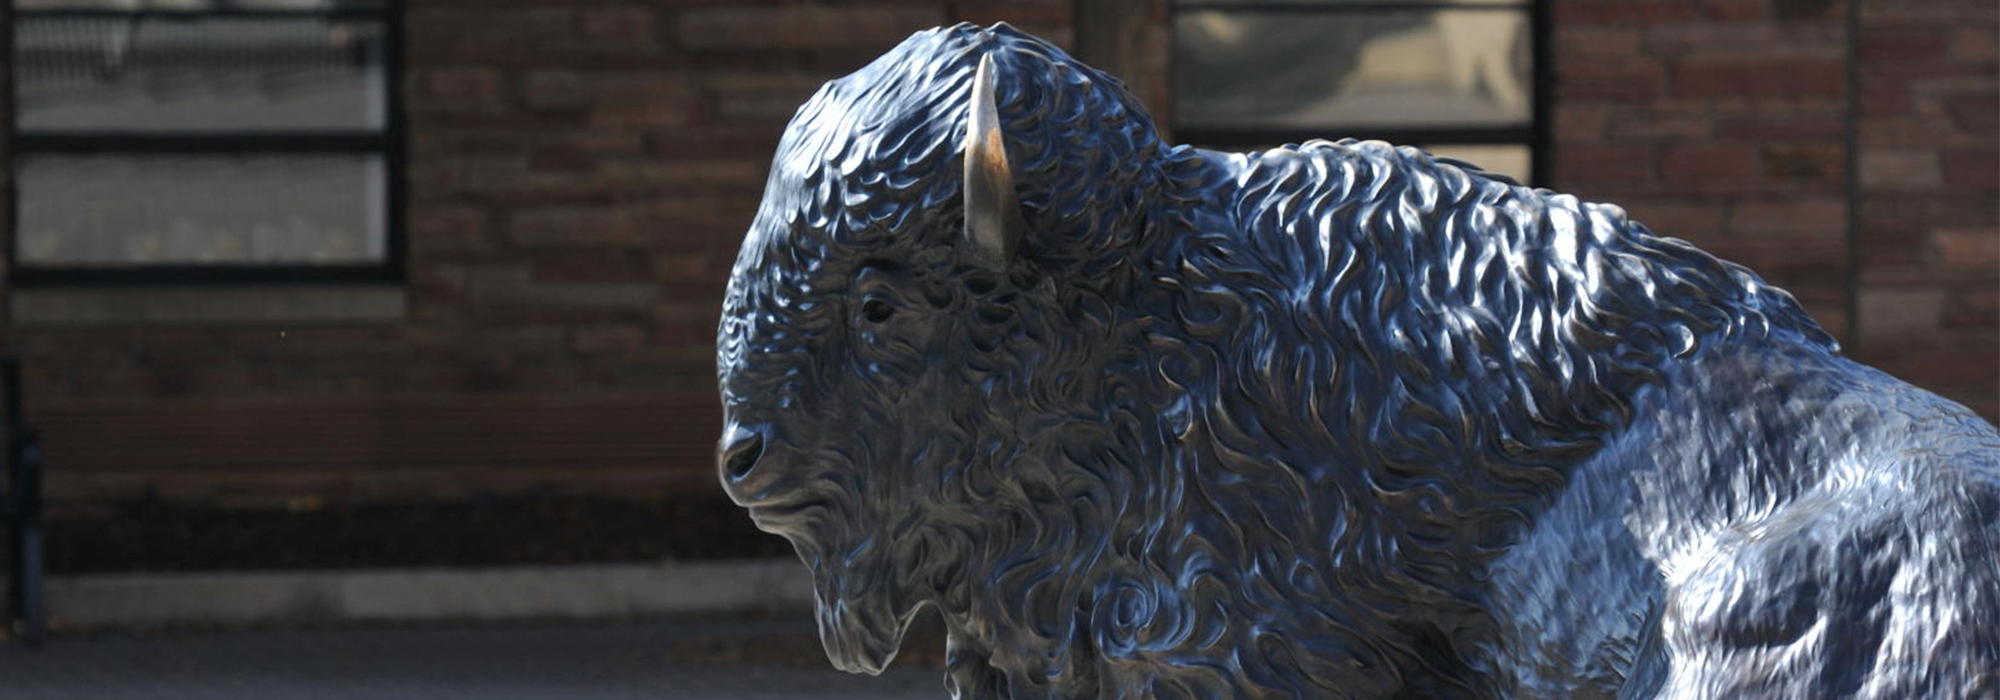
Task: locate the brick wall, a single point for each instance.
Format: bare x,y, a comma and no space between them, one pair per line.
1718,122
1930,216
579,176
580,173
1725,122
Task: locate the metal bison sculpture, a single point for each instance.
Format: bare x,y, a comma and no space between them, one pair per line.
1334,420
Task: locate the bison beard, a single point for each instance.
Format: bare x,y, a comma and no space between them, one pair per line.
1337,420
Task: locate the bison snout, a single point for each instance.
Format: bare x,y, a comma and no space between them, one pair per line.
738,451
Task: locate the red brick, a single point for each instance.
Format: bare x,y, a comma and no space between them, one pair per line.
1973,248
510,36
461,87
1890,210
1726,162
441,143
702,290
1884,97
1736,10
709,141
1935,358
1023,15
691,336
516,303
1899,168
1759,78
509,182
453,228
1899,44
444,117
729,213
645,115
1582,123
600,142
1567,14
1658,123
1761,124
1882,11
762,97
733,173
1974,44
1974,169
1892,313
553,89
593,266
1824,216
684,312
1602,164
1680,217
561,158
598,340
617,25
1938,73
1608,80
575,227
1746,40
1805,162
1803,266
1830,315
1597,41
1976,307
1975,113
804,27
1915,130
1799,10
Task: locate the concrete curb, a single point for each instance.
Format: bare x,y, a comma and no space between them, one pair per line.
608,591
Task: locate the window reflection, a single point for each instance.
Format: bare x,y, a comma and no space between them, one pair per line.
116,210
146,73
1381,67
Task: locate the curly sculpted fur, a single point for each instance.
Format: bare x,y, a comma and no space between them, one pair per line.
1337,420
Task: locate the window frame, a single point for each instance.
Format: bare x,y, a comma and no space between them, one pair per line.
390,142
1536,134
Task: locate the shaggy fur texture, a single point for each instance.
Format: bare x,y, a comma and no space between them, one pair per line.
1232,425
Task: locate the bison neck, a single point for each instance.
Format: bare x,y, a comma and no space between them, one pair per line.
1202,508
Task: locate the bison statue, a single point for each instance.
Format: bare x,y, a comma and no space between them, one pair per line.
1332,420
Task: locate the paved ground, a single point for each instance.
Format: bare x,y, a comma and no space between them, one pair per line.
695,660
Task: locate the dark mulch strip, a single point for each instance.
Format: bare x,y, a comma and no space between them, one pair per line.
498,531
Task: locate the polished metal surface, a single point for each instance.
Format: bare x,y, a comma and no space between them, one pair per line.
1334,420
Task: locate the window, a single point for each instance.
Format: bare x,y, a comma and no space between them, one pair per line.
205,141
1460,78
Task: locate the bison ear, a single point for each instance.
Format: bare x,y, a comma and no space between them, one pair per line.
993,222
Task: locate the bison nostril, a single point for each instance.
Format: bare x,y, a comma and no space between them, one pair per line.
740,452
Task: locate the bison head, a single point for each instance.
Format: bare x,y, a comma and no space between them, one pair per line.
1146,417
900,322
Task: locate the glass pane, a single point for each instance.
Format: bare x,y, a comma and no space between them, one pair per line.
1510,159
119,210
154,74
1374,68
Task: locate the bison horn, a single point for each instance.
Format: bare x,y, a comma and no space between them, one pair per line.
993,223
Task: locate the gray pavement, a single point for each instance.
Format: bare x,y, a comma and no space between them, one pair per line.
695,660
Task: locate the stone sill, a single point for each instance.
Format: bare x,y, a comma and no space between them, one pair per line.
248,304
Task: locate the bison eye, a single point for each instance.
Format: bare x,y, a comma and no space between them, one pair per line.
876,310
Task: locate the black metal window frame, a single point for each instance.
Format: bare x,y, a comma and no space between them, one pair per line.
389,142
1536,134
